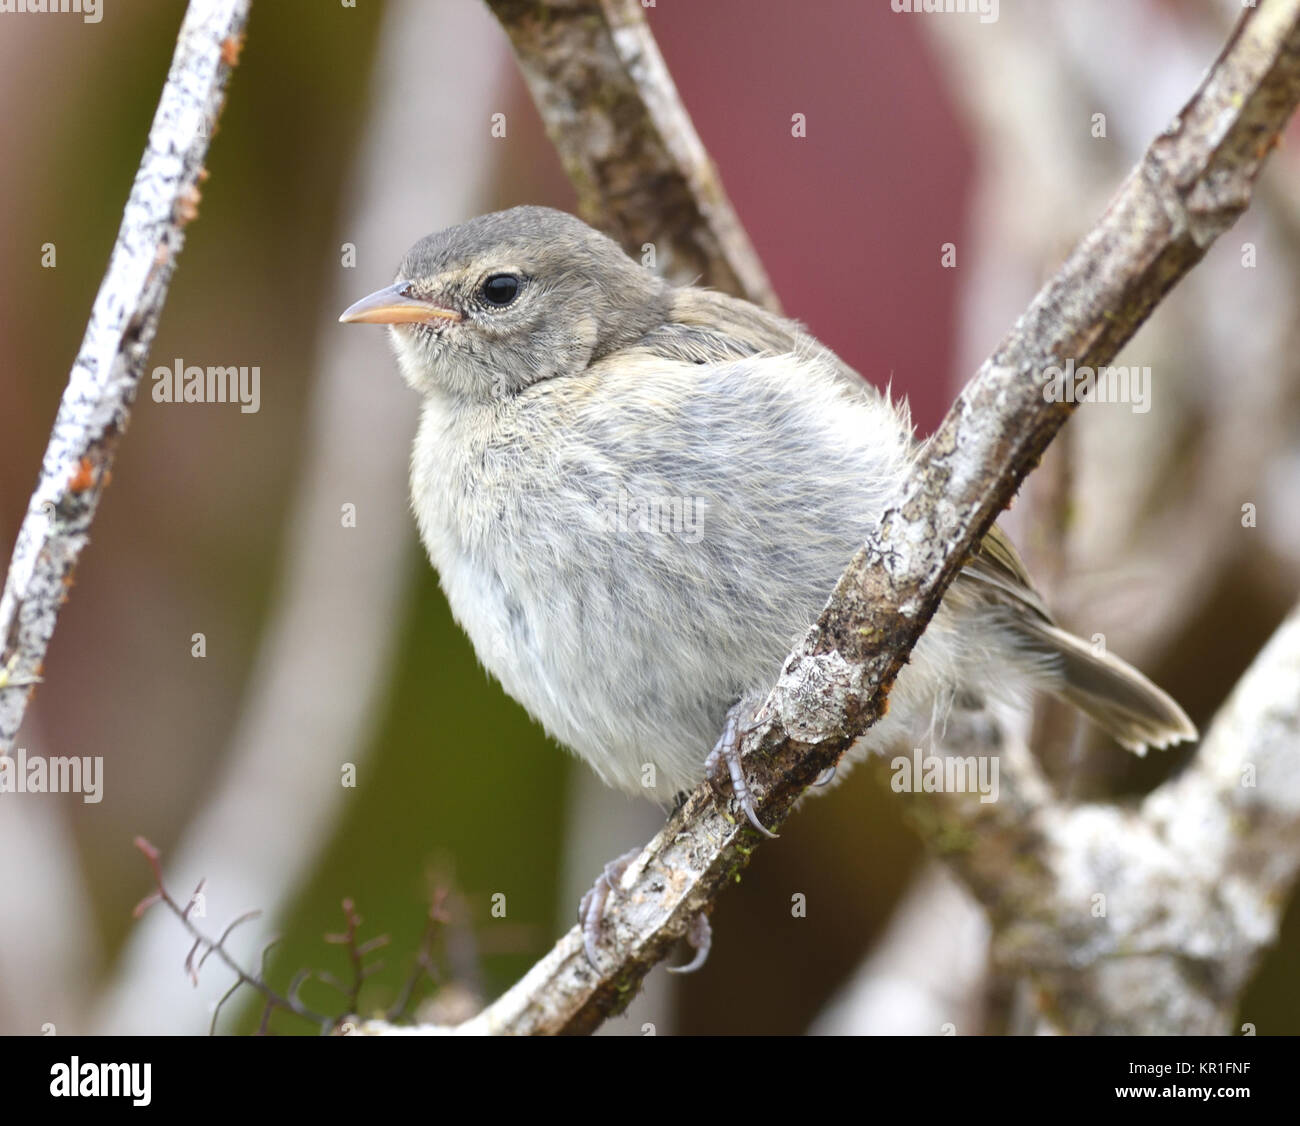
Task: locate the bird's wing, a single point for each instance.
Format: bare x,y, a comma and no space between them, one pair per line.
706,327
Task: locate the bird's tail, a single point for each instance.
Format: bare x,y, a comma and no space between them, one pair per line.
1111,692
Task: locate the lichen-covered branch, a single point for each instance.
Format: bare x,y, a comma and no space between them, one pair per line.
1194,180
627,142
102,386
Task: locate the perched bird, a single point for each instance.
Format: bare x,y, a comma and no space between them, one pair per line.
638,496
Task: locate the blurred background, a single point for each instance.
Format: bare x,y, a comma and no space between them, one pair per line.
328,650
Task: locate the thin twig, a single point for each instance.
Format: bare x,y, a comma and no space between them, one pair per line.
97,402
208,946
357,952
423,966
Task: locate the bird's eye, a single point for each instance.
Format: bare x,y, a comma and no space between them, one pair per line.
500,289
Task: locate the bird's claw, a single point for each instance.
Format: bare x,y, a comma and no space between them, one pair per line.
591,915
591,909
700,938
726,754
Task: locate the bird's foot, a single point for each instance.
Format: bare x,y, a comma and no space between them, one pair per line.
723,763
591,911
591,916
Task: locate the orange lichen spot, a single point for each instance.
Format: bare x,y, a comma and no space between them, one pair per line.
231,45
1269,144
187,204
83,477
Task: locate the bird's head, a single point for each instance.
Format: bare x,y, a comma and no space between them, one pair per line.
488,308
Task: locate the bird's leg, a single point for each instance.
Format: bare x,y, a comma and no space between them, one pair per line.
726,754
591,911
700,939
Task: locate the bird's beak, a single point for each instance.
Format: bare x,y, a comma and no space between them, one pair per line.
391,306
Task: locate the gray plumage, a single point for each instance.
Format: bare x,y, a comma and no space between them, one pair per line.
639,496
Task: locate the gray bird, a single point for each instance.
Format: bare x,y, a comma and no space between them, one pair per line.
638,496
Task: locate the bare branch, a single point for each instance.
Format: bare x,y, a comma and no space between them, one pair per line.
423,967
627,142
1193,182
203,947
97,402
